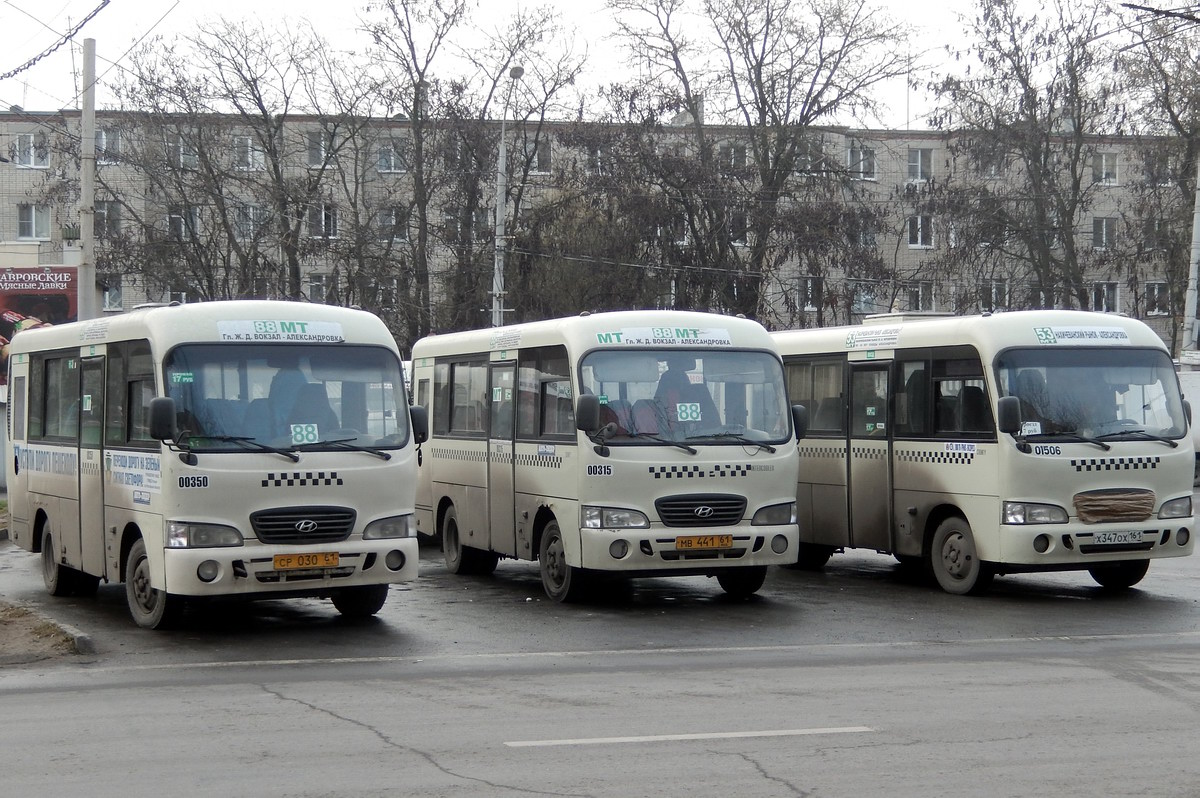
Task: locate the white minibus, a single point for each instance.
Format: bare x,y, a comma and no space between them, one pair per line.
633,443
1012,442
221,449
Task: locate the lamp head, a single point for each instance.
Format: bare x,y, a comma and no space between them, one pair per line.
516,72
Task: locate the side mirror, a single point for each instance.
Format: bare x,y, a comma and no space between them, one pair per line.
800,420
587,413
1187,411
420,423
163,426
1008,412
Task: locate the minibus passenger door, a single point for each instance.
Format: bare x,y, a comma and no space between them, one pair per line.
870,489
501,507
91,460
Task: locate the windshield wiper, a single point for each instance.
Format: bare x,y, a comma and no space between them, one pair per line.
661,439
344,443
734,437
1149,436
251,443
1075,436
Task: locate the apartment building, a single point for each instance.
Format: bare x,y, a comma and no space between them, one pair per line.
359,211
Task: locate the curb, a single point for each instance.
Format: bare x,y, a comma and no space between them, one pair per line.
80,641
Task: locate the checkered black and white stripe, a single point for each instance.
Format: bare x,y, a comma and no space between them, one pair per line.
676,472
302,479
937,458
539,460
863,453
470,456
1116,464
823,452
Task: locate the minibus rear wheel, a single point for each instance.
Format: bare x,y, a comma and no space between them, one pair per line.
460,559
1120,575
63,580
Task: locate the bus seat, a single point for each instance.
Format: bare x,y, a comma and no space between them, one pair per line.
1030,388
617,412
973,412
916,395
257,423
312,407
946,409
645,416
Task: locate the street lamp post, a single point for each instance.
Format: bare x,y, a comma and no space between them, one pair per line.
501,190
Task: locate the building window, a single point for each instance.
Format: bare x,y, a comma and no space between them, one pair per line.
865,297
537,155
810,157
861,162
1104,232
918,295
993,293
318,147
600,160
247,155
458,231
322,220
393,156
392,224
320,288
108,145
1158,299
1104,297
1158,169
33,222
183,222
250,221
920,232
810,293
106,222
1155,235
1040,296
920,163
31,151
1104,168
732,155
111,298
182,153
738,228
456,154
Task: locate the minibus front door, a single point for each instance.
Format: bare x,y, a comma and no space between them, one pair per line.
870,489
91,471
501,508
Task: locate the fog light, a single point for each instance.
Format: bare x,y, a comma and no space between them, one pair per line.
1182,537
779,544
207,571
1041,544
394,560
618,549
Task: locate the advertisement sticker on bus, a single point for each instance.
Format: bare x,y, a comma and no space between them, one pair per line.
1093,336
666,336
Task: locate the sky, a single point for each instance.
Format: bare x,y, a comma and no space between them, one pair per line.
28,28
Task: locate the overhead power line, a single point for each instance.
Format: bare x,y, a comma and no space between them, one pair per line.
65,38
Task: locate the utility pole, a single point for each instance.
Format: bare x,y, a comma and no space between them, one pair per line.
1189,300
514,75
86,279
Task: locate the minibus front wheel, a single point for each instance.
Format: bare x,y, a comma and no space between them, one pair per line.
151,608
742,582
562,582
1120,575
953,560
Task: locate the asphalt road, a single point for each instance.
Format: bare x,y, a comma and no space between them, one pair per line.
858,681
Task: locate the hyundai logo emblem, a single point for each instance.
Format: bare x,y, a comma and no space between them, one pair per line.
703,511
307,525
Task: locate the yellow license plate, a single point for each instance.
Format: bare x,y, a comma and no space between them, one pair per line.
704,542
320,559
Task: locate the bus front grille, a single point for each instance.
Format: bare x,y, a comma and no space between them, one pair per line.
701,509
303,525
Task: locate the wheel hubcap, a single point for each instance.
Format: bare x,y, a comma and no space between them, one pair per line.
956,557
556,566
141,587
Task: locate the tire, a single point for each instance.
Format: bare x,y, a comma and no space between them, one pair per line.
812,557
742,582
1120,575
360,602
149,607
58,578
460,559
563,583
953,561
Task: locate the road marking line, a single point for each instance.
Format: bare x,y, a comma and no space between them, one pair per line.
654,738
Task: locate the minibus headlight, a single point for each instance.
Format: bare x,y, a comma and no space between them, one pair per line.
1027,513
1176,508
775,514
185,535
396,526
612,518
